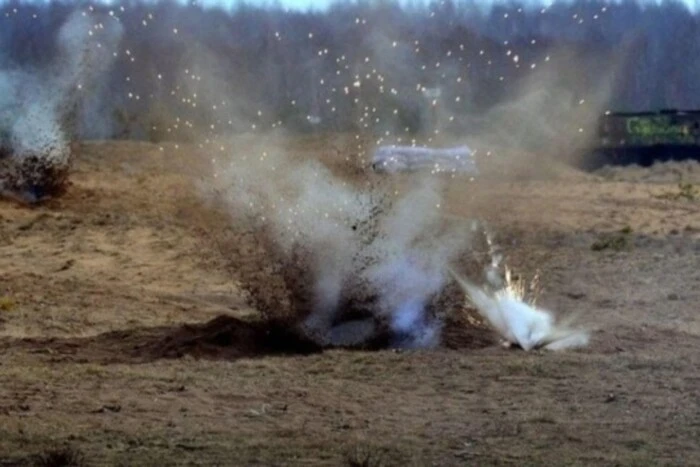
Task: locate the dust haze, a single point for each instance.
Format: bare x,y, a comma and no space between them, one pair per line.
521,103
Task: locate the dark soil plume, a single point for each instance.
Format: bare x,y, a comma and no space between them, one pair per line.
33,177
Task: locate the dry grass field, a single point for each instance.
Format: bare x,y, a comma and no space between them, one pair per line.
96,360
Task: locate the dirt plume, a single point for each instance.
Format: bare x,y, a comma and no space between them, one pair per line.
329,255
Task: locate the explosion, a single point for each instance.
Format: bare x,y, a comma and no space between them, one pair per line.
346,261
518,320
351,263
38,112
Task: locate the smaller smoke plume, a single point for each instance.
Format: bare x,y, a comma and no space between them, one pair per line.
38,109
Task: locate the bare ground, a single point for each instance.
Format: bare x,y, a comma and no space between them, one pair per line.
95,288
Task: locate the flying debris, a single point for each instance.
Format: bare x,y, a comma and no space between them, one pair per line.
391,159
521,323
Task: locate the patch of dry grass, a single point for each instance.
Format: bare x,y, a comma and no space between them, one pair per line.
7,303
686,191
618,241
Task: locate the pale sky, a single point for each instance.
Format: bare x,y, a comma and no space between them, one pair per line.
291,4
304,5
322,4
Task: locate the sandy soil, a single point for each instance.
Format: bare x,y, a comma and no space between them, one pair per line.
95,287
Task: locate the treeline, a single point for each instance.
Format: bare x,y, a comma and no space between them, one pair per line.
183,70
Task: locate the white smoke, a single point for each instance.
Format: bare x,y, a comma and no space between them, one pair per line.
518,321
37,130
412,257
37,105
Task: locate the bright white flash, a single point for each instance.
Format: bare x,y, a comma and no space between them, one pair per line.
521,323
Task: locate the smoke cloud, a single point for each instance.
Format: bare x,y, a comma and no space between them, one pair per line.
40,108
360,246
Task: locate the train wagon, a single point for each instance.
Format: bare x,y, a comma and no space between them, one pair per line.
644,138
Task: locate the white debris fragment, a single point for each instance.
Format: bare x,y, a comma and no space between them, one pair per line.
392,159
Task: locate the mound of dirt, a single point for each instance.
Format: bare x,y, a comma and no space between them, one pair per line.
34,177
229,338
226,337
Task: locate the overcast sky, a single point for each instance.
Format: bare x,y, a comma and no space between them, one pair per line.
302,4
291,4
322,4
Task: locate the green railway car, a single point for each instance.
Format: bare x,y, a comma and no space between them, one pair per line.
646,137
